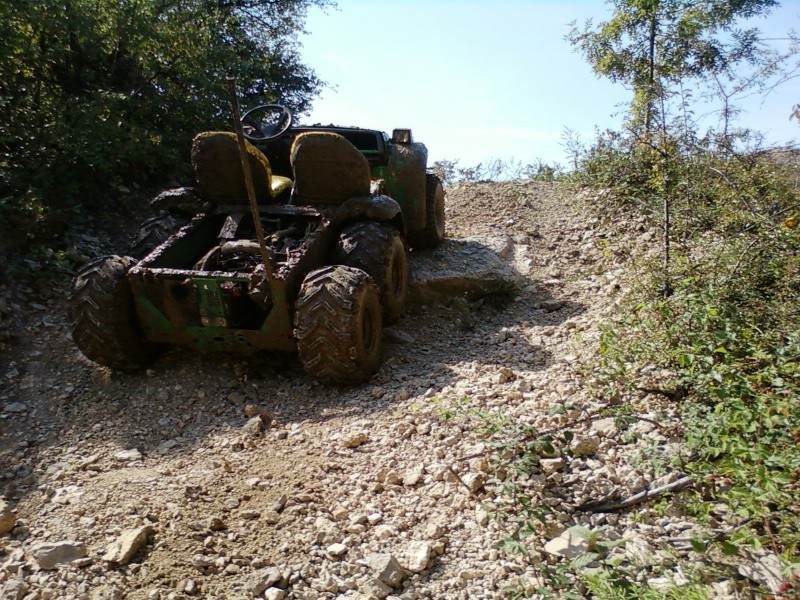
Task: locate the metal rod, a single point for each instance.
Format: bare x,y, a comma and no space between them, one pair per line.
266,254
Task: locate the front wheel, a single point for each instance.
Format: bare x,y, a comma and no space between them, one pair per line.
338,325
433,233
379,250
104,325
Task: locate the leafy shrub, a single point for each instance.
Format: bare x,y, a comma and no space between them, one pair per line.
101,96
450,172
729,332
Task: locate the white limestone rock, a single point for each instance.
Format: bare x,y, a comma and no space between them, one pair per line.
418,556
7,517
386,568
48,555
127,545
567,545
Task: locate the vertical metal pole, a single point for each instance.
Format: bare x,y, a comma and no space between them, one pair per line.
266,254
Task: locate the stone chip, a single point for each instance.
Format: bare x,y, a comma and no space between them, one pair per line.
418,556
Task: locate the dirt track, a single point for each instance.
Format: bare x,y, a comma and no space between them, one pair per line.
341,474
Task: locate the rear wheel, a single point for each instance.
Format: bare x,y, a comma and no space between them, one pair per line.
104,325
433,233
152,234
338,325
379,250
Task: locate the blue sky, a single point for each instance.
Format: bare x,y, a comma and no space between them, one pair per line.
479,80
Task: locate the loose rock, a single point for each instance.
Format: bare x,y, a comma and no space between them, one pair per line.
14,589
567,545
262,579
254,427
7,517
354,440
128,544
386,569
585,445
375,588
128,455
419,555
49,555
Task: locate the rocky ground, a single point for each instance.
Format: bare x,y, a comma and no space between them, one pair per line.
224,478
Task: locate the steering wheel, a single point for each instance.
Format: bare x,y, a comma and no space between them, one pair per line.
266,122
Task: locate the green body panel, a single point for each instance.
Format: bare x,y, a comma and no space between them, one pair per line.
208,310
214,334
212,306
405,181
153,322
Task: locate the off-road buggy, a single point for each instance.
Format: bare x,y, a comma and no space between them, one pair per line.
338,208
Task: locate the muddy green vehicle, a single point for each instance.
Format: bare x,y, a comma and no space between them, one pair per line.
319,272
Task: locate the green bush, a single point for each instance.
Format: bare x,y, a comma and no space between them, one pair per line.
729,332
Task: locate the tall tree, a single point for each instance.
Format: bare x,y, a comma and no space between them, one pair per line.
104,94
651,45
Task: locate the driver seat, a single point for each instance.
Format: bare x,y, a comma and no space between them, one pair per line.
219,175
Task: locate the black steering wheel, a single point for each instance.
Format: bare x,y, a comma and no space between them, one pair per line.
266,122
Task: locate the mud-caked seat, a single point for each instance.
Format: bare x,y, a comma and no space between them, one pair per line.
328,169
218,170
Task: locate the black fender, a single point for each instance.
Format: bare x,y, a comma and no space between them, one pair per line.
371,208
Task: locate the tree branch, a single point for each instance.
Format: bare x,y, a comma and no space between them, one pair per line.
643,496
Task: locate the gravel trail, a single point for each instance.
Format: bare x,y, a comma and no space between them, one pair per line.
218,477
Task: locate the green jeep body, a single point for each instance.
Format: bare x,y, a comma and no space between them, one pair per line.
338,264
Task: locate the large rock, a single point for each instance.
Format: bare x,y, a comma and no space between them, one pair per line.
355,439
128,455
414,476
254,427
14,589
567,545
263,579
585,445
7,517
764,568
418,556
49,555
375,588
128,544
605,428
470,268
386,569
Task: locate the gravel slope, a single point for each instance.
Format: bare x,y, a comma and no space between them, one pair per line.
342,482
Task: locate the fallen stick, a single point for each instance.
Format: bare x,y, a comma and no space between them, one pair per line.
643,496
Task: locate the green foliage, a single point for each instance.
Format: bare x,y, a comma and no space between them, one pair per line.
450,172
651,45
740,195
729,333
725,332
604,585
745,427
100,96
